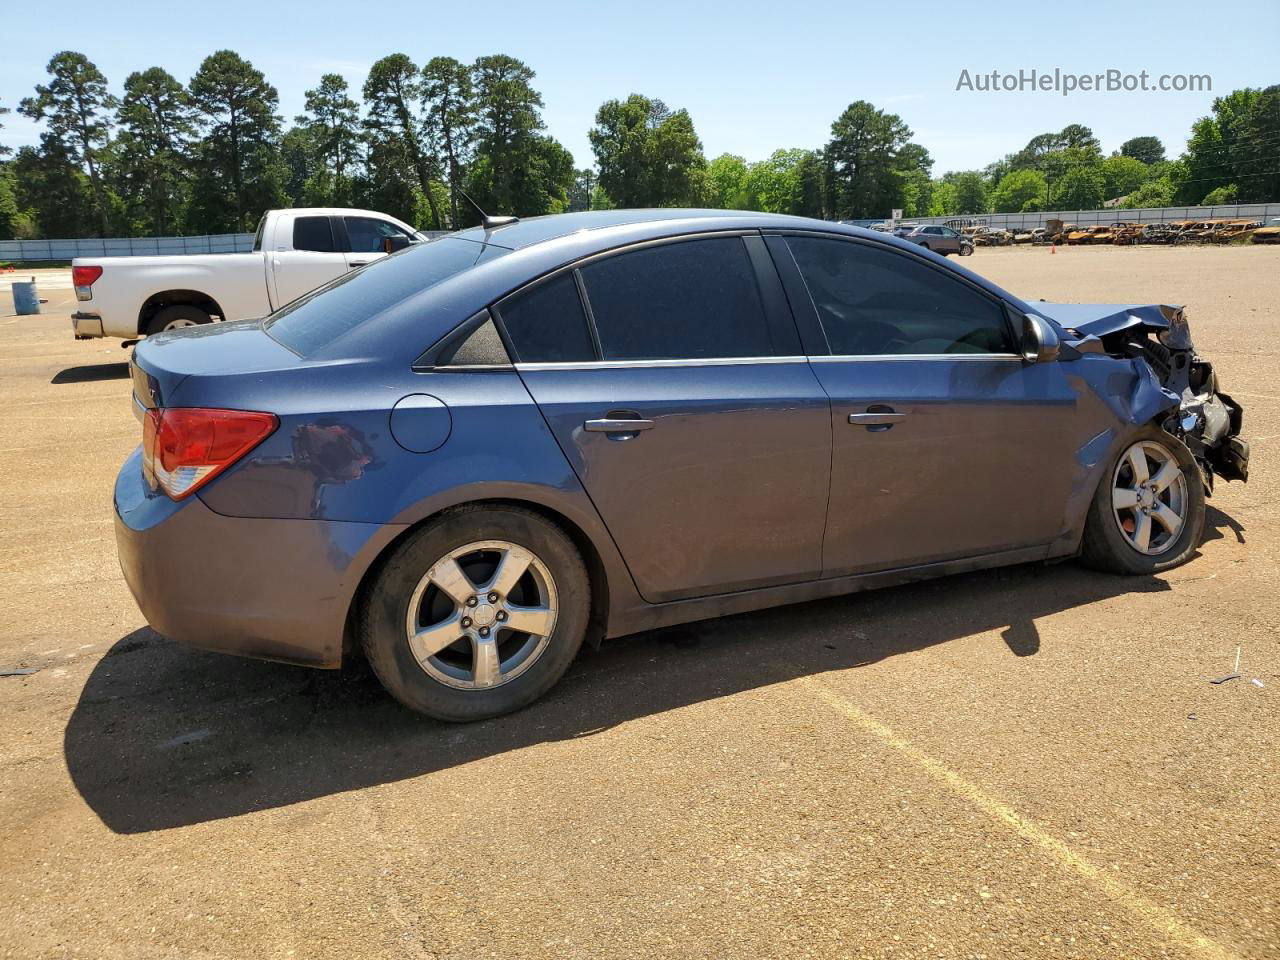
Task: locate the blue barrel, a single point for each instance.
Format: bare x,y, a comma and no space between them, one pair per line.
25,299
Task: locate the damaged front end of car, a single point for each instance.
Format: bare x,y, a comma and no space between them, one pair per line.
1192,407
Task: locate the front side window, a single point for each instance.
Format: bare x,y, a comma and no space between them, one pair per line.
313,233
689,300
875,301
366,234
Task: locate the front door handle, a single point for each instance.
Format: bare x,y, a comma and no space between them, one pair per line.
879,417
617,426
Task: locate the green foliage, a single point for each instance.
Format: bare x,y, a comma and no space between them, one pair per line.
1154,193
4,151
1255,161
239,173
1220,195
76,108
868,161
329,132
1148,150
149,160
392,94
726,183
448,96
1216,148
8,202
53,192
1020,191
1079,188
1122,175
970,194
647,154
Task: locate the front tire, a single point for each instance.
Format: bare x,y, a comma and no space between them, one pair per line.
476,614
1148,513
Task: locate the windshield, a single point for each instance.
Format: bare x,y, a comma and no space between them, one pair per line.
322,316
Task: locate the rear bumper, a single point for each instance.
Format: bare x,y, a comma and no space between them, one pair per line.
267,588
86,326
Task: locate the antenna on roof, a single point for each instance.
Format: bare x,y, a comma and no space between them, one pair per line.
486,221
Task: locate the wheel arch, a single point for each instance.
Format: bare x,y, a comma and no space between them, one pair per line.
170,298
597,573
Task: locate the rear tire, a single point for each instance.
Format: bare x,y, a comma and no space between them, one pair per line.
438,622
176,317
1113,529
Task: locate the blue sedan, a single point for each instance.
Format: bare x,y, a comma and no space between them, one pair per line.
472,456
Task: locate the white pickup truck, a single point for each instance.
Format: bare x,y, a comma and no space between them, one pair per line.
294,252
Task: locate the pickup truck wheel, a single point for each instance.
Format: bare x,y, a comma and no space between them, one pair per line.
176,317
476,614
1148,513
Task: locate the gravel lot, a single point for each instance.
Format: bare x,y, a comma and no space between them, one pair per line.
1024,763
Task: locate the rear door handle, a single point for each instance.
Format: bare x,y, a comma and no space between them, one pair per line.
617,426
357,263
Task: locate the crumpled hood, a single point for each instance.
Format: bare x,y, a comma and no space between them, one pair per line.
1101,319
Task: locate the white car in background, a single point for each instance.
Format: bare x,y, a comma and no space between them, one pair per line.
294,252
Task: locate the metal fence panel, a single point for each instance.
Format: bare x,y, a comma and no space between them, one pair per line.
27,250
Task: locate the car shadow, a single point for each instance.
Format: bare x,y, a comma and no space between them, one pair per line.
92,373
165,736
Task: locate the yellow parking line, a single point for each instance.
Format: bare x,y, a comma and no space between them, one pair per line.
1150,913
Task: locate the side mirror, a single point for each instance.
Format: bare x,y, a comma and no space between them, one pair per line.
392,244
1040,342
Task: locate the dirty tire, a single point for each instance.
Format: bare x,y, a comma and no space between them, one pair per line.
177,316
384,609
966,251
1106,548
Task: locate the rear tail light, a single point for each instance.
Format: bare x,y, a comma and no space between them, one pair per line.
83,279
183,448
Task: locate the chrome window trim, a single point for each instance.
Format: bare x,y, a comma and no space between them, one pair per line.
833,358
702,362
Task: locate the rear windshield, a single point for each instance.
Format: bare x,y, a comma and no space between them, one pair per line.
314,321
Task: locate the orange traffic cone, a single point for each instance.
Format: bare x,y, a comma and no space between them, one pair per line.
1053,248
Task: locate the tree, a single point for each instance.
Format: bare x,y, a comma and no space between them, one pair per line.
814,175
970,191
76,108
1019,191
4,151
392,93
1255,165
1081,188
1215,146
647,154
865,156
239,165
156,126
1154,193
516,169
51,187
584,182
1121,175
448,97
726,183
1148,150
1221,195
331,127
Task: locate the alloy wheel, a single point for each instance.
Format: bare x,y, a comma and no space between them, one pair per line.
1149,497
482,614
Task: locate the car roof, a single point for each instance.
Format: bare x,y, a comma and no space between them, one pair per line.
534,230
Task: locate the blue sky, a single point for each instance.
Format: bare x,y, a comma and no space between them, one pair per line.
754,76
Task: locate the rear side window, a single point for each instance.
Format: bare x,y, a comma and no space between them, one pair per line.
546,324
873,300
313,233
690,300
317,319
